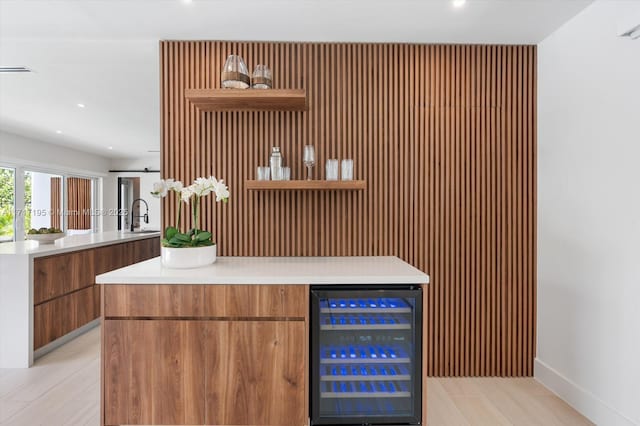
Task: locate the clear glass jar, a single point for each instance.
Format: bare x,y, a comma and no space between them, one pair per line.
235,74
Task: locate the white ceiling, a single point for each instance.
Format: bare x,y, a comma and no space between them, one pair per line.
104,54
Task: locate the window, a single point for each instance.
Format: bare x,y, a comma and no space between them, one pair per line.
46,199
7,204
80,205
42,201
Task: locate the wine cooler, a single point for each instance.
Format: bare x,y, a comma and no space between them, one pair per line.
366,355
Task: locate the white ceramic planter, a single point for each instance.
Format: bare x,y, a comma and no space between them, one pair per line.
188,257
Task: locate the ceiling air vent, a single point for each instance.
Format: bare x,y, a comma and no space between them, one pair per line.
633,33
14,69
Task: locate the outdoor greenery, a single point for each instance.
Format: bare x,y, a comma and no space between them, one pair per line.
6,203
27,201
7,195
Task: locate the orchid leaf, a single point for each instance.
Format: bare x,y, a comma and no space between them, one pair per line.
170,232
183,237
203,236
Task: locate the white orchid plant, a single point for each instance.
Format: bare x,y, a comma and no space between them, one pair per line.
191,194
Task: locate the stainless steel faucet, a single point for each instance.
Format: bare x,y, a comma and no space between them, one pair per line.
145,216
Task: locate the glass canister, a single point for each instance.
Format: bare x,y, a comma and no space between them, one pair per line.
261,78
235,74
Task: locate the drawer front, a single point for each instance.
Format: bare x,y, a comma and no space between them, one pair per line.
116,256
146,249
55,318
184,372
211,301
112,257
54,276
153,372
270,359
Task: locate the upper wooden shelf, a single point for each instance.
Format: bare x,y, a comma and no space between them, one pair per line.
248,99
308,185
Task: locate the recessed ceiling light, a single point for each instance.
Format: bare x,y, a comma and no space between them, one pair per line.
110,148
59,132
459,3
186,1
81,105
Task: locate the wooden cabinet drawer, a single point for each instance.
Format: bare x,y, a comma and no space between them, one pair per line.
54,276
184,372
146,249
256,373
112,257
153,372
57,317
219,301
117,256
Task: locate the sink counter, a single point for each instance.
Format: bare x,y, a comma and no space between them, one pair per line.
48,293
72,243
274,270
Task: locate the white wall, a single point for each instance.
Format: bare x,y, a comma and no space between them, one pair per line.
146,186
589,214
30,152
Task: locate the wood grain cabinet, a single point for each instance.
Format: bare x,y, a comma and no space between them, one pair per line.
60,316
221,301
64,293
255,373
112,257
155,368
56,275
242,360
204,372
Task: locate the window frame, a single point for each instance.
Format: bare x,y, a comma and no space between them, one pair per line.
97,183
15,197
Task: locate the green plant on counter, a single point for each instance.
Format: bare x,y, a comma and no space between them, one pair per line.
201,187
41,231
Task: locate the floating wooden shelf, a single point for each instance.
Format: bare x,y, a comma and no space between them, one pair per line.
248,100
305,185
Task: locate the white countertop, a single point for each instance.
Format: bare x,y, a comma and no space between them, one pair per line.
273,270
71,243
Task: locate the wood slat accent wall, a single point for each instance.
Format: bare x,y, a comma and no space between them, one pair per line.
78,203
56,202
445,137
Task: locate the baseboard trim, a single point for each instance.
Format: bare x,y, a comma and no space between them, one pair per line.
64,339
589,405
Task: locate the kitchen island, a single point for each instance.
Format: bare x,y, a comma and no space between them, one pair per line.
226,344
47,291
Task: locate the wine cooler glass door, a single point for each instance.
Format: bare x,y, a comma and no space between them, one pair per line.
366,356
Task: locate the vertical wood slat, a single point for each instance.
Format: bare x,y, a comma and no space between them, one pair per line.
78,203
56,202
443,135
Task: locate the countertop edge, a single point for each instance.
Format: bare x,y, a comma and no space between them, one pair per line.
156,276
266,281
84,246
